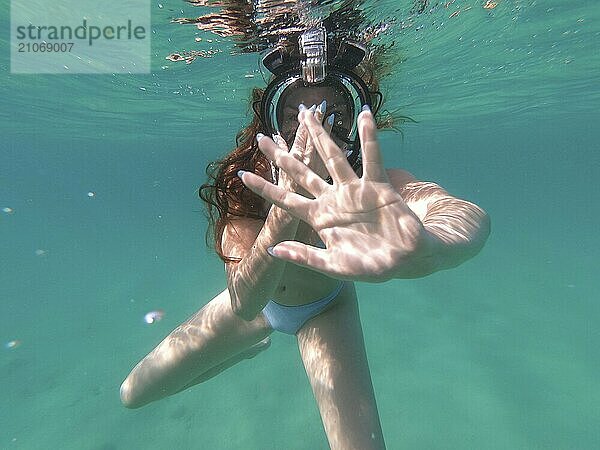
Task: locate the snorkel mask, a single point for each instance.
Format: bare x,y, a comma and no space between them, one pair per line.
310,73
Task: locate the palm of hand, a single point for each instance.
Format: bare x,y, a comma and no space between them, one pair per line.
369,231
374,219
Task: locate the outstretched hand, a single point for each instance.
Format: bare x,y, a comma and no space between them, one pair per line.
369,232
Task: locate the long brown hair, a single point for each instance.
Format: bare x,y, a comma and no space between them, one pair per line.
224,194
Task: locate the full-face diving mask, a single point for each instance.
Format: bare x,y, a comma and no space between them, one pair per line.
310,76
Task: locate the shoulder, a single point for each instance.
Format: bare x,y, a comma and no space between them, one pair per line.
239,234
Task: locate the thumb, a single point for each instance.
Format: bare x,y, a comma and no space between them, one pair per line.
314,258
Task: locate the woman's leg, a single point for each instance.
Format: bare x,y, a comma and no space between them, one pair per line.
333,352
249,353
210,341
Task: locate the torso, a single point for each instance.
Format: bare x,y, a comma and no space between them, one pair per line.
299,285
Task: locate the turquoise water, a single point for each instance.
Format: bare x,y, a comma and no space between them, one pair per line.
500,353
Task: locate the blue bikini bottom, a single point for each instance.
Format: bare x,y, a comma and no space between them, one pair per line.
289,319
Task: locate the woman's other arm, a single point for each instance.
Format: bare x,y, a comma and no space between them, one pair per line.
252,281
459,228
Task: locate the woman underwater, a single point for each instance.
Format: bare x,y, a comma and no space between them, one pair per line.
296,227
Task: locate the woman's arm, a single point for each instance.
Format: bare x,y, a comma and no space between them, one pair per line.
459,228
252,281
371,231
